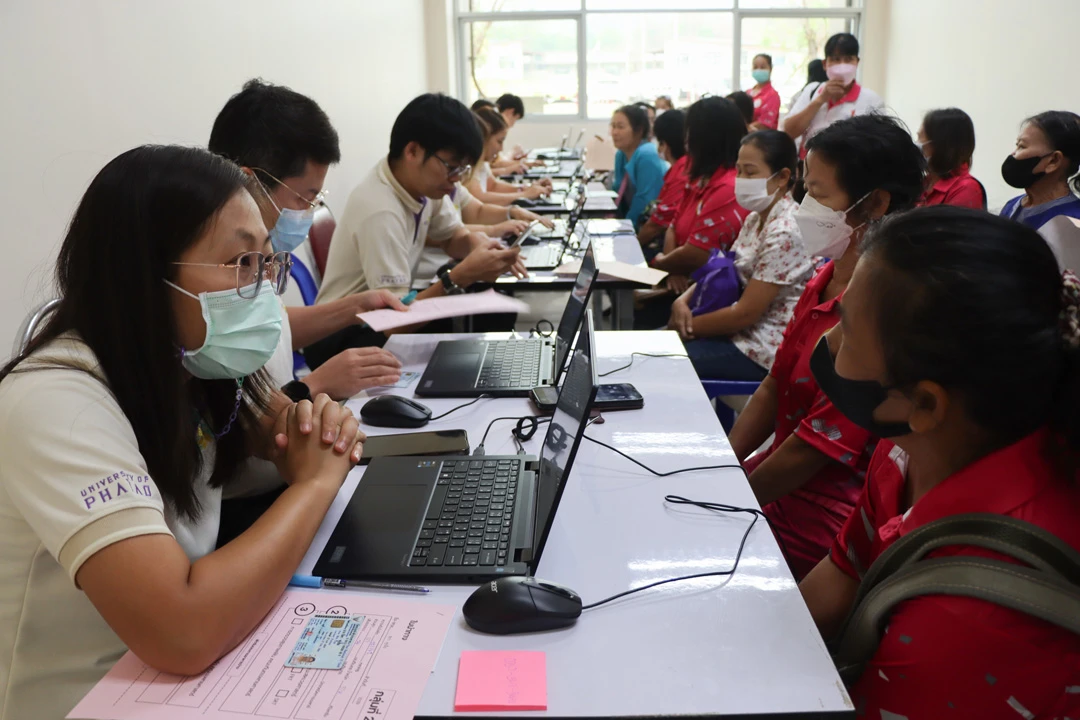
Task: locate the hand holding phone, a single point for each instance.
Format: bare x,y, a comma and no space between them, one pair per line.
513,241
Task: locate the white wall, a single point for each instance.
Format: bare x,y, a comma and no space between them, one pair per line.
86,80
998,60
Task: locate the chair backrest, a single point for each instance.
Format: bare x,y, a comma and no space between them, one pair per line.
322,231
300,274
31,324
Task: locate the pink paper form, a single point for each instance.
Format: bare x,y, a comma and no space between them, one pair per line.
437,308
384,675
497,680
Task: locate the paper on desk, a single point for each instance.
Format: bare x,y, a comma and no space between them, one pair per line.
498,680
422,311
613,269
598,189
1062,234
600,204
384,675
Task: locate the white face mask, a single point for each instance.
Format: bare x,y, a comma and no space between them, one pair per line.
753,193
825,231
844,72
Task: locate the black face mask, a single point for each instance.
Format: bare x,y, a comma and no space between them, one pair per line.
1021,173
856,399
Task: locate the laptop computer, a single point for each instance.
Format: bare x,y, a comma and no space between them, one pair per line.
509,368
546,251
462,518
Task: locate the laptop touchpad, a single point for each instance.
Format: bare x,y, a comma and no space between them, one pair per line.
452,365
391,513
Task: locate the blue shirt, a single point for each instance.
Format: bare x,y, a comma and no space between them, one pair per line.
645,172
1038,215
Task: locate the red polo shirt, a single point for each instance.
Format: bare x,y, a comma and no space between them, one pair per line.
709,217
959,189
808,519
944,657
671,194
766,105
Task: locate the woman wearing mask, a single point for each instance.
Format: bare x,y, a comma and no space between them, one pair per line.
962,435
639,171
841,97
709,218
766,99
947,139
739,342
857,171
482,184
670,132
130,410
1044,165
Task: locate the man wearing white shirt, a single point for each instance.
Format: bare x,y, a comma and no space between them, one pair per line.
819,106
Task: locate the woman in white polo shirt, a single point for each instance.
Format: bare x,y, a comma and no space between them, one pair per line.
131,409
822,104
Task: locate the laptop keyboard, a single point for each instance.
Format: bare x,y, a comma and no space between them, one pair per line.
469,519
511,364
547,255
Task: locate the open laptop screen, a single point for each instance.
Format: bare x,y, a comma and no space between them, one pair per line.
575,309
563,435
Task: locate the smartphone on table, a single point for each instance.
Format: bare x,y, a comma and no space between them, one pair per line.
616,396
435,442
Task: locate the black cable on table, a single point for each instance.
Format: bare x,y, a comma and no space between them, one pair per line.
641,354
459,407
657,473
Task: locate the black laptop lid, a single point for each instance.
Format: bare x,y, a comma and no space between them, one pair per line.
564,435
574,312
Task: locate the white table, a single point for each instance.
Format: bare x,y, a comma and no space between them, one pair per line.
738,646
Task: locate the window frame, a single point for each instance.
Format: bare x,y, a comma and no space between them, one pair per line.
462,19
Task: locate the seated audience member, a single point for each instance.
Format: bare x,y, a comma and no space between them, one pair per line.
663,104
839,98
947,139
131,408
482,103
709,218
1044,165
639,171
482,184
670,132
745,103
287,143
739,342
766,99
399,208
808,480
962,435
650,110
512,109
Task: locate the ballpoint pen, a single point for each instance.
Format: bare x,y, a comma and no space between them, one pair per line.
312,581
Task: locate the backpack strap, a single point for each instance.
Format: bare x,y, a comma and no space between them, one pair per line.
1049,589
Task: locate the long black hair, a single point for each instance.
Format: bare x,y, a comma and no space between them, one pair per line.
670,129
1062,129
982,301
714,130
140,213
952,136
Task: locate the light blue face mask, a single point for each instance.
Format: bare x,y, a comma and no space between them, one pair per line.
241,334
760,75
291,228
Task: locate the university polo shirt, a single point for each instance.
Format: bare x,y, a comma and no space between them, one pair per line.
808,518
942,656
379,238
857,101
959,189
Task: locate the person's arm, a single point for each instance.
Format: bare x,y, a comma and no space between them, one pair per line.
683,260
749,308
806,107
181,616
788,468
757,420
829,594
648,180
311,323
650,231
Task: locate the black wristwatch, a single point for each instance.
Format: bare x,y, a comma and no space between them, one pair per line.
296,391
449,285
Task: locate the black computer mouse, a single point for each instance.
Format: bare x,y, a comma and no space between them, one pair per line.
512,605
395,411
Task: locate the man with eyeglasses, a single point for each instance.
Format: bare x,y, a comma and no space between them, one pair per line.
402,207
286,143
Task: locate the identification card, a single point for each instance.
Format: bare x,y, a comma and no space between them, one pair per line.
407,379
325,642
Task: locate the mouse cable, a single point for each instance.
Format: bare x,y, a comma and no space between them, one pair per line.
459,407
715,507
641,354
543,323
519,433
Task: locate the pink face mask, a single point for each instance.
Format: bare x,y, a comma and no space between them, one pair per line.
844,72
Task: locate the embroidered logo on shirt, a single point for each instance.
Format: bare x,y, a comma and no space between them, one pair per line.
393,279
114,487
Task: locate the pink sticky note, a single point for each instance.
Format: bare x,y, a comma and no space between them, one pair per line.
495,680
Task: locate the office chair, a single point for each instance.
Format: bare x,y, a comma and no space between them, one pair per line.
31,324
719,388
322,231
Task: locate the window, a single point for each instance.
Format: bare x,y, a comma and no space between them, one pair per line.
584,58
